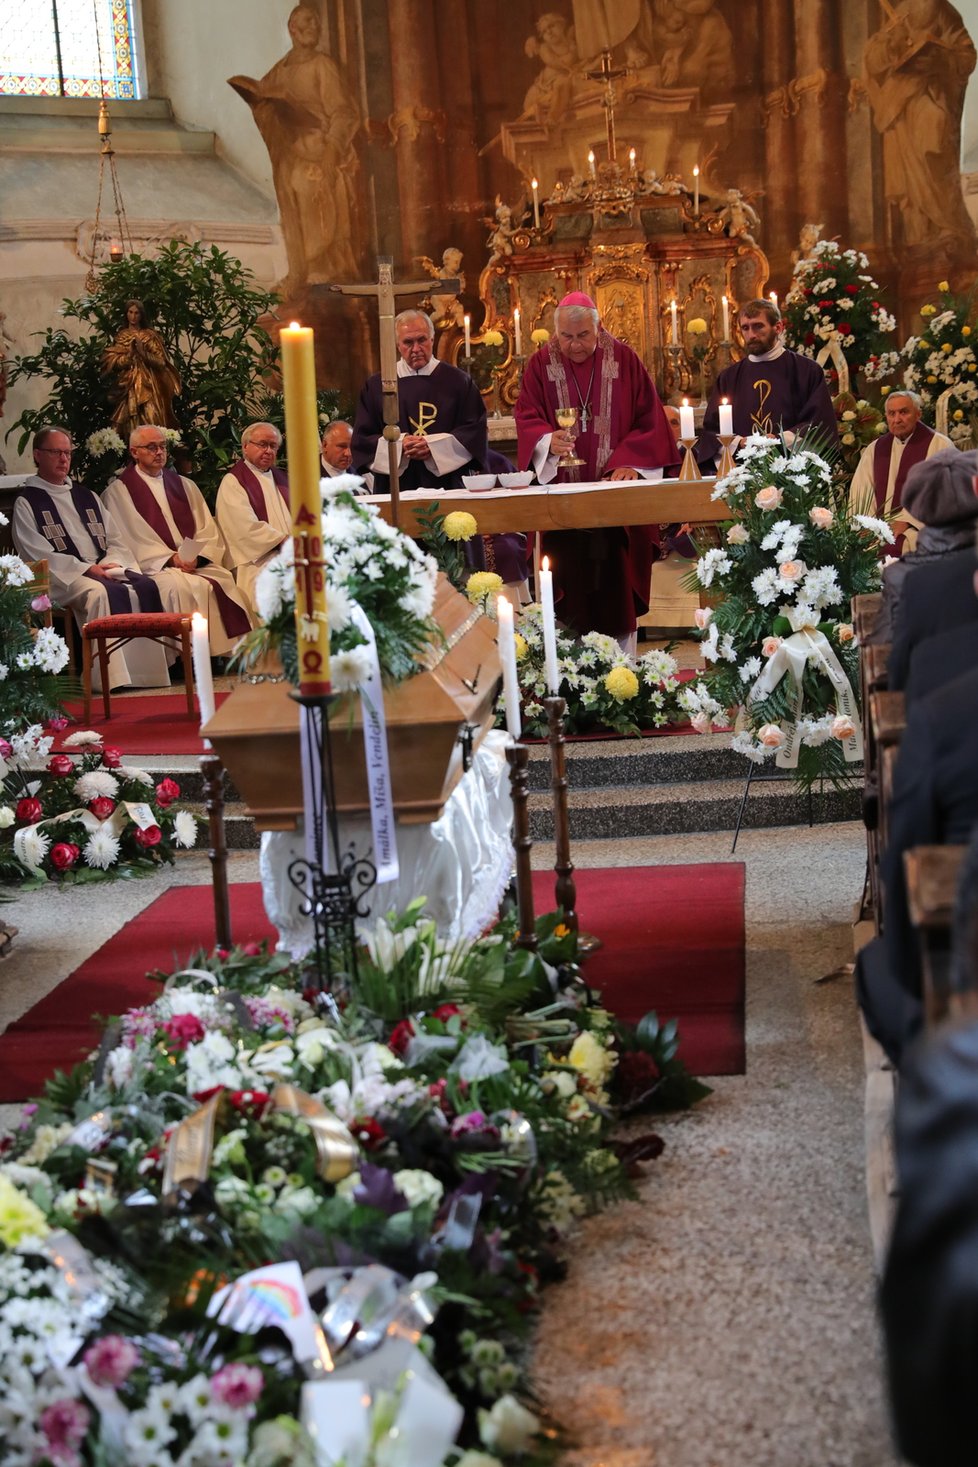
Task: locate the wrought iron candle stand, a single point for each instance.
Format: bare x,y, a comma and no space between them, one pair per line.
517,756
333,899
213,773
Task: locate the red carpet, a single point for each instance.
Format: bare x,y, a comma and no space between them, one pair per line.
673,941
142,723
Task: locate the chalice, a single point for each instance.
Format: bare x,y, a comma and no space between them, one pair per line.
567,419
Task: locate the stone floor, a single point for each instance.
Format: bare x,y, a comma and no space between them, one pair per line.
726,1318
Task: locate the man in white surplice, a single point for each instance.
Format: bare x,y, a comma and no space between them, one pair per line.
91,568
166,520
253,505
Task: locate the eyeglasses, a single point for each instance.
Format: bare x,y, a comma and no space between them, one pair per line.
153,447
261,443
55,452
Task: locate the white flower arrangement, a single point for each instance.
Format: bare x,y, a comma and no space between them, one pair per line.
832,294
103,441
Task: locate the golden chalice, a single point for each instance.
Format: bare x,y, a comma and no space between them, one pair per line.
567,419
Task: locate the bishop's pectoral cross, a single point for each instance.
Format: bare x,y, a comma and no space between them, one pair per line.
385,292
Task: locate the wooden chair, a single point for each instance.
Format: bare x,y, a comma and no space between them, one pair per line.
106,634
41,586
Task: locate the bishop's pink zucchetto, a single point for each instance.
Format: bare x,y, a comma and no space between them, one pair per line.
578,298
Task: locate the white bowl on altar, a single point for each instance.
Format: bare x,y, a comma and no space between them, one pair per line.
516,481
479,481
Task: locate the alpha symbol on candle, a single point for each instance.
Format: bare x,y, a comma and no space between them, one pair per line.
304,515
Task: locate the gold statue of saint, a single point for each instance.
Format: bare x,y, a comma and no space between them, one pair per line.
145,382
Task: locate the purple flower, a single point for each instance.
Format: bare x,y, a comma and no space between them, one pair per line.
377,1189
237,1386
25,1117
474,1121
111,1360
41,603
64,1424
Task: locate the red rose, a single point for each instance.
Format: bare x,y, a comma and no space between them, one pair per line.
852,290
876,305
824,305
6,749
844,328
101,807
166,792
446,1011
808,292
61,765
112,758
64,855
149,837
29,811
252,1103
809,338
57,725
401,1036
369,1133
252,949
183,1029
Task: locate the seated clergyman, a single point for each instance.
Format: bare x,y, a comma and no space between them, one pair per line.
253,504
93,569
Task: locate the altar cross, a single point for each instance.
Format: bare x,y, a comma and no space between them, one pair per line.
609,76
384,292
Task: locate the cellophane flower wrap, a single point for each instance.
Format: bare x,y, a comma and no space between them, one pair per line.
791,559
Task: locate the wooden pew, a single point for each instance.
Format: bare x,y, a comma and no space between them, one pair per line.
932,884
887,720
865,610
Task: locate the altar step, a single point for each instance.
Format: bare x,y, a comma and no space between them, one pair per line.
675,784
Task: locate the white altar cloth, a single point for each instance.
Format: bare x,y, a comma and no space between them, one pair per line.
461,862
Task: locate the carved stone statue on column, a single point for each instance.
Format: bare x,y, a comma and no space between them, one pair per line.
687,42
448,309
555,46
917,67
306,113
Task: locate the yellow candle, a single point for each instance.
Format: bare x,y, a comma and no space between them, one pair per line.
305,497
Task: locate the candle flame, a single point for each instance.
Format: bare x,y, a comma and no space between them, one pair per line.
545,563
294,326
534,183
696,171
685,402
590,155
198,621
724,401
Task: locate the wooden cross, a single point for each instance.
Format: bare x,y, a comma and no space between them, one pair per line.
608,75
385,292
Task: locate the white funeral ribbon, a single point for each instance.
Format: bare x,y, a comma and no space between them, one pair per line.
832,351
808,644
378,763
91,822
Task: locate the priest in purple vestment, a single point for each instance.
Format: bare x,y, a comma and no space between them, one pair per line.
252,507
772,390
602,577
442,418
877,485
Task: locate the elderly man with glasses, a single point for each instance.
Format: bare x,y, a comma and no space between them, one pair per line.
92,568
253,505
175,536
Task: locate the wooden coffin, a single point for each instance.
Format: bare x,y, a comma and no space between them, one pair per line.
256,730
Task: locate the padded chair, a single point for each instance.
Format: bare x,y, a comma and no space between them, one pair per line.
106,634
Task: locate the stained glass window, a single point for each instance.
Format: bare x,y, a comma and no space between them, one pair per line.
68,48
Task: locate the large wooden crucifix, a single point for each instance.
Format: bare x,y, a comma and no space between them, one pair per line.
385,292
607,73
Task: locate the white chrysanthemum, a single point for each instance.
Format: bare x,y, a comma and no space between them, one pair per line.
766,587
129,772
33,846
4,672
657,665
50,650
7,817
274,589
745,743
876,527
14,571
821,587
101,850
81,738
342,484
339,608
349,669
185,829
96,782
713,563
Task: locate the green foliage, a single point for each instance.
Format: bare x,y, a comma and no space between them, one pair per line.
206,307
943,356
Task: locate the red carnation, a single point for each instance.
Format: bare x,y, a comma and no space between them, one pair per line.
112,758
61,765
182,1029
852,290
101,807
6,748
369,1133
149,837
446,1011
401,1036
808,292
844,328
825,305
876,305
166,792
64,855
29,811
809,338
252,1103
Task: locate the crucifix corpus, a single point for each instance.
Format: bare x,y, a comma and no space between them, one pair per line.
385,292
609,75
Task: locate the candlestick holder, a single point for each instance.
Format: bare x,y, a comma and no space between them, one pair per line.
726,463
467,363
565,890
690,469
213,772
517,757
724,353
334,898
677,375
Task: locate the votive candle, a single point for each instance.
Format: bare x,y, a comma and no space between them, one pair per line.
305,498
549,626
687,424
507,656
631,160
774,299
726,419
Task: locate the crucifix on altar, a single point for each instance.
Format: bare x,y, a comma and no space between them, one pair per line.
385,292
609,75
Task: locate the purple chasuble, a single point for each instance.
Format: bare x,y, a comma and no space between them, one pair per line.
88,507
252,486
445,401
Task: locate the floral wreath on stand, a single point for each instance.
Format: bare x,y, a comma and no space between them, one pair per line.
943,357
778,641
832,294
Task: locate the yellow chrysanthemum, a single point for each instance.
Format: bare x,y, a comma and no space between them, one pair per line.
590,1058
460,525
946,346
540,335
928,310
885,390
522,646
621,683
943,286
932,380
492,338
20,1218
482,583
697,326
965,330
958,415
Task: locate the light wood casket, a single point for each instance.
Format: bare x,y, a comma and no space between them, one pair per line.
256,730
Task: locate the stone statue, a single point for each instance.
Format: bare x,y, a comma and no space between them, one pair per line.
739,217
649,182
306,114
500,241
448,309
687,43
555,46
145,382
917,67
807,240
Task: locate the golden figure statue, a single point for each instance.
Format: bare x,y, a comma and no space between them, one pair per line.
145,381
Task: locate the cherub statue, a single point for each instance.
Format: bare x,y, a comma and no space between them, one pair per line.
575,189
554,44
500,241
739,217
448,309
807,240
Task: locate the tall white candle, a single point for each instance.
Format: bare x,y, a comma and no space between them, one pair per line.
536,203
726,317
467,322
696,189
726,419
517,332
590,162
507,656
549,626
675,329
631,159
774,299
201,651
687,424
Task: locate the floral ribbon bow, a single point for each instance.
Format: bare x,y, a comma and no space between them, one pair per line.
808,644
